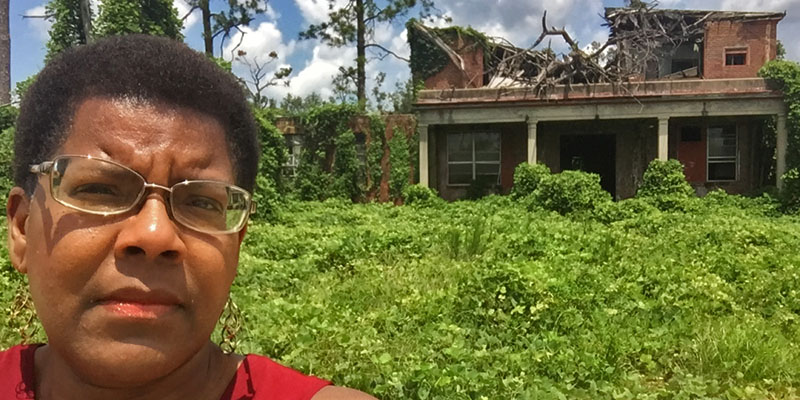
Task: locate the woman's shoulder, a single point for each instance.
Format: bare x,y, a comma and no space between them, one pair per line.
17,379
259,377
262,378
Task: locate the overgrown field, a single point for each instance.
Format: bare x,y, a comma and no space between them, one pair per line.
492,300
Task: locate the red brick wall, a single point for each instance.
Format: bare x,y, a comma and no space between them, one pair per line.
758,37
451,77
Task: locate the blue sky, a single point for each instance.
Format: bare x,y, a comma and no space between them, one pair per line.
314,64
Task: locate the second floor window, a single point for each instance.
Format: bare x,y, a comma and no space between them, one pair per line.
736,56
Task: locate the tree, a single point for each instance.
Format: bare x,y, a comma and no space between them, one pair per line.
151,17
240,13
355,23
73,25
259,79
5,55
68,27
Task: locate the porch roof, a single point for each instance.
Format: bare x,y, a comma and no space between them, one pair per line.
644,91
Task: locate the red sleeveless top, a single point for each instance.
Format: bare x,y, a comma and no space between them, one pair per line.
258,378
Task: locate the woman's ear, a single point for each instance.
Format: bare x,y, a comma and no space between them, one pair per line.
17,210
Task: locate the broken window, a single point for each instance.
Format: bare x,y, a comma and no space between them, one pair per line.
473,156
294,145
722,149
736,56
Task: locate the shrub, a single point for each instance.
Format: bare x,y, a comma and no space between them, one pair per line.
418,194
348,173
527,178
790,192
399,168
570,191
665,185
270,188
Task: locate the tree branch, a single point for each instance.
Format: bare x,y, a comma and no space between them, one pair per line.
387,51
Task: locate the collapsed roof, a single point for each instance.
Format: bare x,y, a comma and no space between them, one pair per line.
637,37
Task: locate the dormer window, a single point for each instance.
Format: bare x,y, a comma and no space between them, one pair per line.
736,56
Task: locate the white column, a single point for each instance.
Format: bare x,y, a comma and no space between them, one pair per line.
780,148
663,138
423,154
532,141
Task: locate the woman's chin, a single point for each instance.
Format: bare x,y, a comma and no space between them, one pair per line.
130,363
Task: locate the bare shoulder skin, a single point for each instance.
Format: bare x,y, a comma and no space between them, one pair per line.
341,393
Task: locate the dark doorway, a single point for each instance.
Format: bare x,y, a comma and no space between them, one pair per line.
591,153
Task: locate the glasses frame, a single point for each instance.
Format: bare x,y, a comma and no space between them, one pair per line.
46,168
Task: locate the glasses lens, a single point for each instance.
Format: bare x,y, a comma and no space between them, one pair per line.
210,206
94,185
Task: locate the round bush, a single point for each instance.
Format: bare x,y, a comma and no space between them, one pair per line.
527,178
664,184
570,191
418,194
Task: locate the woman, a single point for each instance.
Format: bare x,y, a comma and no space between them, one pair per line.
135,160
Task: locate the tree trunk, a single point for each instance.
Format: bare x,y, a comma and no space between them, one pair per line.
208,39
5,55
361,59
86,21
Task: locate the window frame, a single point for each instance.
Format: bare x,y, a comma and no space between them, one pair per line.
734,51
722,159
474,162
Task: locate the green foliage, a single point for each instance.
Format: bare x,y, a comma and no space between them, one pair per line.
375,152
22,87
222,63
420,195
67,28
488,299
664,184
151,17
790,193
569,191
527,178
6,161
325,125
399,164
270,187
348,174
787,75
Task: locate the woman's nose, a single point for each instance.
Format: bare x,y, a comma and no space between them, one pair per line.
151,233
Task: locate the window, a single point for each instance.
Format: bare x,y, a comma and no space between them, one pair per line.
473,156
294,144
722,150
736,56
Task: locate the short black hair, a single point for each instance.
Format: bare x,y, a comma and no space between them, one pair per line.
143,67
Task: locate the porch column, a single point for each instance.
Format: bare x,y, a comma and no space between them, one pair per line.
423,154
780,148
532,141
663,138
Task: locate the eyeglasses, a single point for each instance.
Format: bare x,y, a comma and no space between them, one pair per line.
103,187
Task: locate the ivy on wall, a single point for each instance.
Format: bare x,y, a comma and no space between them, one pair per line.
787,75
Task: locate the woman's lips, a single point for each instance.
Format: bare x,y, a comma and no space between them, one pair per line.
135,310
137,303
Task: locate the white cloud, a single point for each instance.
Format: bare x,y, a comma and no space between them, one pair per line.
183,8
316,11
39,25
318,72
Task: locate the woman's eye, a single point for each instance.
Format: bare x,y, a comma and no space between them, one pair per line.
204,203
95,189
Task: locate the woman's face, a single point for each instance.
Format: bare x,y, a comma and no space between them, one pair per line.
128,298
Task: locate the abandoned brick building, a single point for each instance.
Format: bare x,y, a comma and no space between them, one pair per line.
488,106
